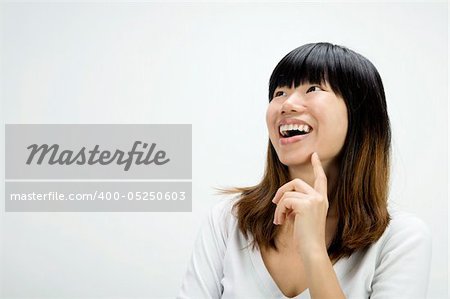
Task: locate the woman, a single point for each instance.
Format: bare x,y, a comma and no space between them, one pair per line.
318,225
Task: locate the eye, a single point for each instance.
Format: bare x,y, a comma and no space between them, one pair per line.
279,93
313,87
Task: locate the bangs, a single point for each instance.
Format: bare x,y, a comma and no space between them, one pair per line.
310,63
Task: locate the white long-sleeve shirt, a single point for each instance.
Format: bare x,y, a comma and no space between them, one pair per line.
397,266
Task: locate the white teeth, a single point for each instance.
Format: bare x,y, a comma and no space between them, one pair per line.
302,127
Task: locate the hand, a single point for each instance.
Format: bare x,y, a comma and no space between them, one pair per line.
307,207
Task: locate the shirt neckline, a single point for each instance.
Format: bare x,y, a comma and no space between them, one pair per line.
267,280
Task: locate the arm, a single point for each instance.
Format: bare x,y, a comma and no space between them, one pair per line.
307,208
205,270
404,265
321,277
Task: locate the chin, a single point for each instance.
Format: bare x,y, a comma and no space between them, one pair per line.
297,160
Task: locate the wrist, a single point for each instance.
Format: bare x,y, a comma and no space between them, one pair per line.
315,253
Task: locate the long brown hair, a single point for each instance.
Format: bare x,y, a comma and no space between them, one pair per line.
362,187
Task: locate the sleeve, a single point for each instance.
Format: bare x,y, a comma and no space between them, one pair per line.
205,269
405,259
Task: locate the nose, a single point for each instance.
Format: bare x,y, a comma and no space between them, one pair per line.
293,103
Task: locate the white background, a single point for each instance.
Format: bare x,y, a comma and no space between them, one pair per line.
207,64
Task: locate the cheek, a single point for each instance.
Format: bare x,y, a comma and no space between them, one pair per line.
340,123
270,117
333,122
343,120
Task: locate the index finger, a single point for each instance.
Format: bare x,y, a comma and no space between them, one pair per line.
320,183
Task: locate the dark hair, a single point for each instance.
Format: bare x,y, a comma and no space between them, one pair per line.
362,188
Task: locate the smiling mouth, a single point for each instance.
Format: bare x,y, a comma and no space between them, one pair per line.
287,131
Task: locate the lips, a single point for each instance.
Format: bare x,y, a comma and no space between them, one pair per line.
289,140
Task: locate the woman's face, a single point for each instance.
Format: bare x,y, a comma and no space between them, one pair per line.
315,105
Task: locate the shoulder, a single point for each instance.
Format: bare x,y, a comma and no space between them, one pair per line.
407,225
223,208
222,216
402,263
406,232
